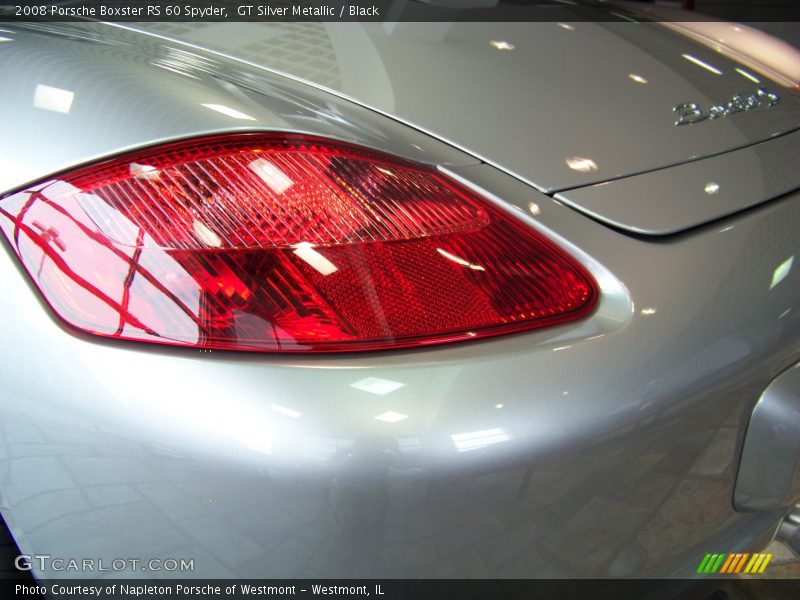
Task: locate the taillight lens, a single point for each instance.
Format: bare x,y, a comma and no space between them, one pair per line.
285,243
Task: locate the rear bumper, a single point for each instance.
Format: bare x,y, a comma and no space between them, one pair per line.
603,448
769,473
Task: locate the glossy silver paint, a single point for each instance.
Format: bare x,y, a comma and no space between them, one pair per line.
607,447
127,91
673,200
601,92
769,473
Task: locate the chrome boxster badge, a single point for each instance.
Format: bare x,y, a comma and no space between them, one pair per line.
690,112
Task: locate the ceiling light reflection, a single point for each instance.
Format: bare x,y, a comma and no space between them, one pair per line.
460,261
53,99
637,78
376,385
206,235
501,45
391,417
474,440
305,251
229,112
273,176
781,271
147,172
700,63
749,76
583,165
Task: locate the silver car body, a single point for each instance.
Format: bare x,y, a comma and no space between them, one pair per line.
605,447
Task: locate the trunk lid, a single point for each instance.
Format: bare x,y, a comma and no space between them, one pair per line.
599,91
559,105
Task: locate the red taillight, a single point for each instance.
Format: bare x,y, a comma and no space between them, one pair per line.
283,243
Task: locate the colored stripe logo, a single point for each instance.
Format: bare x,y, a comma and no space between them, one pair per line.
738,562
